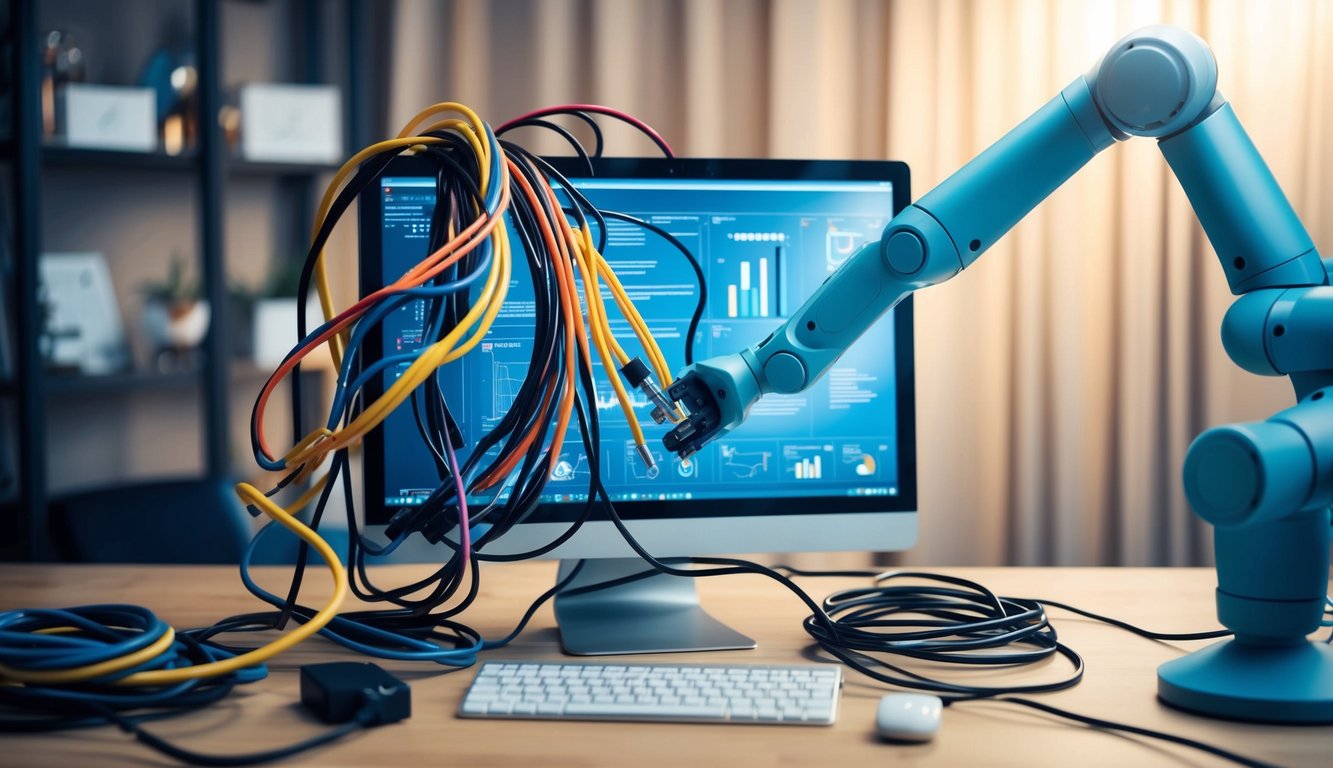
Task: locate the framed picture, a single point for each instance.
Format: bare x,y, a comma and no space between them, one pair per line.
83,329
282,122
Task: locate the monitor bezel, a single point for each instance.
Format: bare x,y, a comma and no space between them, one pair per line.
377,511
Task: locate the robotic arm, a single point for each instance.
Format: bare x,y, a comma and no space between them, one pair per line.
1266,486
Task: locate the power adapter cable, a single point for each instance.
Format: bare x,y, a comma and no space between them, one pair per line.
1111,725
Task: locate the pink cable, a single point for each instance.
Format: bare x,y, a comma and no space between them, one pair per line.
464,526
597,109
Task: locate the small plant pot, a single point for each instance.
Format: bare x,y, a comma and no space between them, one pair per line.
175,329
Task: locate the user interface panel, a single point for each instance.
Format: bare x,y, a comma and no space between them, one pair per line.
764,245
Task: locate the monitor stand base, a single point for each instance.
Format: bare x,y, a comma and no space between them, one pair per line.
655,614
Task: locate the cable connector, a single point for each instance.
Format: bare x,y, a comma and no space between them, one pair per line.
639,377
647,457
432,522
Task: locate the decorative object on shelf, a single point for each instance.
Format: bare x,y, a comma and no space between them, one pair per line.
273,319
229,117
83,331
174,80
62,63
175,318
291,123
107,117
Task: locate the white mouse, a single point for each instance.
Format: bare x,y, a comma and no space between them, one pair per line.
908,717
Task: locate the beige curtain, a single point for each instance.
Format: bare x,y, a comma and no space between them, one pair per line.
1061,378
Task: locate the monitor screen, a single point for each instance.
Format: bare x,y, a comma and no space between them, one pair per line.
766,234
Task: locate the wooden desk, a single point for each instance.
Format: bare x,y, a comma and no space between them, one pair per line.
1120,683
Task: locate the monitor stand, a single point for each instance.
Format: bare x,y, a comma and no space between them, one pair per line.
655,614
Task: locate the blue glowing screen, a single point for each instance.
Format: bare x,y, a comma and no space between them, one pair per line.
764,246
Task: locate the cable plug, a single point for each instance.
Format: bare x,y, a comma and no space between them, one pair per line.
639,377
342,691
430,520
439,523
405,520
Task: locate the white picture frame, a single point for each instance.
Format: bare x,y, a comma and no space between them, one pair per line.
109,117
82,318
289,123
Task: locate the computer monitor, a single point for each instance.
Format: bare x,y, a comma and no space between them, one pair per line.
830,469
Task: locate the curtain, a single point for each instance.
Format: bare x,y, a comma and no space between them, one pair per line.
1061,378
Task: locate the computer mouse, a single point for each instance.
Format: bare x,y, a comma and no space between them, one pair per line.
908,717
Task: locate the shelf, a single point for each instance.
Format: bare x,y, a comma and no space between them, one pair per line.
215,178
73,383
149,381
246,168
72,157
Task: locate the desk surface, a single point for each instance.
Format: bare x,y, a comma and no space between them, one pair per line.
1119,685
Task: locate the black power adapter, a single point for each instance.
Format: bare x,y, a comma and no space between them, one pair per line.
341,691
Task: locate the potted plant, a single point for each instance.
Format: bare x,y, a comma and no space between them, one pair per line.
175,317
275,311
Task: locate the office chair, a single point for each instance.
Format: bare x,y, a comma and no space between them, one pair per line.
187,521
197,521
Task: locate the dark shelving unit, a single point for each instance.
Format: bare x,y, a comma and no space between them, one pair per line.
24,534
77,157
208,167
73,383
73,157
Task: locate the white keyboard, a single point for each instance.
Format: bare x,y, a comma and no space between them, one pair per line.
793,695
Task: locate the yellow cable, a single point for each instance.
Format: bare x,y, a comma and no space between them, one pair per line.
430,358
250,495
91,671
582,247
599,328
503,251
485,309
469,133
321,274
444,106
630,312
402,142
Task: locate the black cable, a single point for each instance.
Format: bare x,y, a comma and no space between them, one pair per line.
1140,631
702,302
129,725
1097,722
564,134
830,636
1151,635
520,418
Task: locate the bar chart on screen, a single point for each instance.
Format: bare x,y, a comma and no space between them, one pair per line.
754,274
806,461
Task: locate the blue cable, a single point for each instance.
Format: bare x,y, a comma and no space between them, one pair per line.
376,316
117,630
339,629
22,646
491,205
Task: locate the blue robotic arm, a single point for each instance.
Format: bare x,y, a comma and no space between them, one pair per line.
1265,486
